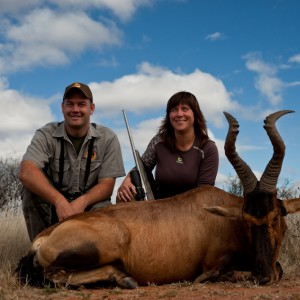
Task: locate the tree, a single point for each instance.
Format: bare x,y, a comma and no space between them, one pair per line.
233,185
10,186
286,190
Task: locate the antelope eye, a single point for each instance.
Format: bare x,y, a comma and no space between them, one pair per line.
275,221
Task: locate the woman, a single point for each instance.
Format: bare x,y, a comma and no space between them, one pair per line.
181,151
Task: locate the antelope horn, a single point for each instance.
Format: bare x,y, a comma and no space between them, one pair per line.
269,178
247,177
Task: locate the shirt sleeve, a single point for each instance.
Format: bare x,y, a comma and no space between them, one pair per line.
38,150
149,157
208,168
112,164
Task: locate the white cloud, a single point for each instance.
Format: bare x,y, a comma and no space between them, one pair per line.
256,64
23,115
15,6
271,87
215,36
14,146
150,88
124,9
267,82
291,84
34,42
295,59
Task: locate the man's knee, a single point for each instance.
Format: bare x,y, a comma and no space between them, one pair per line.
37,213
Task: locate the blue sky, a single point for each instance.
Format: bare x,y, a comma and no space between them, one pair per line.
239,56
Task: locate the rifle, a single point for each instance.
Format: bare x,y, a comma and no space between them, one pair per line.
138,175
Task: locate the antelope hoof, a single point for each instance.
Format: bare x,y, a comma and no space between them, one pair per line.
128,283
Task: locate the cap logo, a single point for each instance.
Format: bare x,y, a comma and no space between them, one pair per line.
76,85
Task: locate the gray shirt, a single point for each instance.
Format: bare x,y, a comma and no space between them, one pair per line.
45,148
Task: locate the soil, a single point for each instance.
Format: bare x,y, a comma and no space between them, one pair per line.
287,288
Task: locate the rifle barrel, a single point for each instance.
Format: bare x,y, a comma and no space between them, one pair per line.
133,151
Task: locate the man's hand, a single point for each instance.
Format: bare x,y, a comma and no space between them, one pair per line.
64,210
80,204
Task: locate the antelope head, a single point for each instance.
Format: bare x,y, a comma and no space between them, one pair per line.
262,211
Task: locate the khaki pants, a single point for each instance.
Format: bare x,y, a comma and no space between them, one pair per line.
39,214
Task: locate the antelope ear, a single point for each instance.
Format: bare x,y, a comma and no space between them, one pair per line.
228,211
291,206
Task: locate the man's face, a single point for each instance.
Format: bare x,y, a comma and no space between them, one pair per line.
77,110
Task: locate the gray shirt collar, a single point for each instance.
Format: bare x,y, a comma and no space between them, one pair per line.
61,131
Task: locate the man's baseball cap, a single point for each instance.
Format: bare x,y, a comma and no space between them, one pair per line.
80,86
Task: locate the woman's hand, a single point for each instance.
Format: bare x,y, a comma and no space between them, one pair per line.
126,191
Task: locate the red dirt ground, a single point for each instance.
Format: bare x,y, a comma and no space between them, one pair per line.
287,288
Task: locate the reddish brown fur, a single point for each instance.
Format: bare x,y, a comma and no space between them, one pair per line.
155,241
160,241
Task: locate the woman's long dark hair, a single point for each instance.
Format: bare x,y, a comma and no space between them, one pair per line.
166,130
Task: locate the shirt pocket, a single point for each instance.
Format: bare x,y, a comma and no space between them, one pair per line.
54,166
93,173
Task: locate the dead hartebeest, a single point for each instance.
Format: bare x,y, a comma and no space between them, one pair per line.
174,239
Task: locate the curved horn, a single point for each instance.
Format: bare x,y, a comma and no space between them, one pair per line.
244,172
268,181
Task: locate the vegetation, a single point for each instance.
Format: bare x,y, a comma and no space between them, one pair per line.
10,186
286,190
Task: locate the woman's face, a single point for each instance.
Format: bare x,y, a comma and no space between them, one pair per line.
182,118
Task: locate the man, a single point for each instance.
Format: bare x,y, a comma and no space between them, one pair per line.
69,167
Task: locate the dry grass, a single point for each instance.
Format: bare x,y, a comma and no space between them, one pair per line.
290,254
14,243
